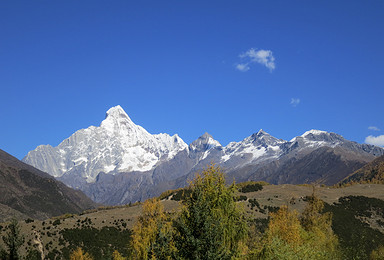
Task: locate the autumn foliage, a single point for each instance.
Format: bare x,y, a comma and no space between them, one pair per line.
79,254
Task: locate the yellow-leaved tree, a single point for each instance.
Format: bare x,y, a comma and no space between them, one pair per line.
309,236
79,254
318,227
117,256
152,236
377,254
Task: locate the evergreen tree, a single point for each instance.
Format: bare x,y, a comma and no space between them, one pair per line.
3,253
33,254
13,240
210,225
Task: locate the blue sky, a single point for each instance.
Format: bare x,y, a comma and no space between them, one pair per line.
228,68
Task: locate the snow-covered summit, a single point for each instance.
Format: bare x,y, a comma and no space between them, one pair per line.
116,120
314,132
204,142
118,145
257,147
318,138
116,112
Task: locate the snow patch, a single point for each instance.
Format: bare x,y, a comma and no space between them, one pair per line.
314,132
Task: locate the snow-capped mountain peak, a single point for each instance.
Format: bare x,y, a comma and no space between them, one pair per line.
118,145
262,138
117,112
204,142
203,146
314,132
117,120
318,138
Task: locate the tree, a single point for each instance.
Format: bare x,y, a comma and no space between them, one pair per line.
309,236
78,254
3,253
286,226
377,254
210,225
13,240
319,227
117,256
33,254
152,236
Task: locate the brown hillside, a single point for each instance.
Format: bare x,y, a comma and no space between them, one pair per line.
372,172
28,192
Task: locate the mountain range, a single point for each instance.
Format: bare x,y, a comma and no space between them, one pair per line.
120,162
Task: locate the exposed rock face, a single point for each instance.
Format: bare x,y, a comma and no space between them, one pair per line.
119,161
28,192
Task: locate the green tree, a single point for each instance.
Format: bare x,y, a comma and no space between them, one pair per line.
13,240
33,254
211,225
3,253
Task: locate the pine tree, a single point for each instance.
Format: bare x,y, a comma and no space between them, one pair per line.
13,240
211,225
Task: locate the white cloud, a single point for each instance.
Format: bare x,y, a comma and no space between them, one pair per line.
263,57
243,67
375,140
373,128
295,101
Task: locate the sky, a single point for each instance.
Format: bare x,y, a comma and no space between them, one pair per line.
228,68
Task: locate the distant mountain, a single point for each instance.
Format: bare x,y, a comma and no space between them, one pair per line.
314,157
372,172
119,161
118,145
27,192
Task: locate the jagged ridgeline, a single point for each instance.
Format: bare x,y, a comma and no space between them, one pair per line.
120,162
